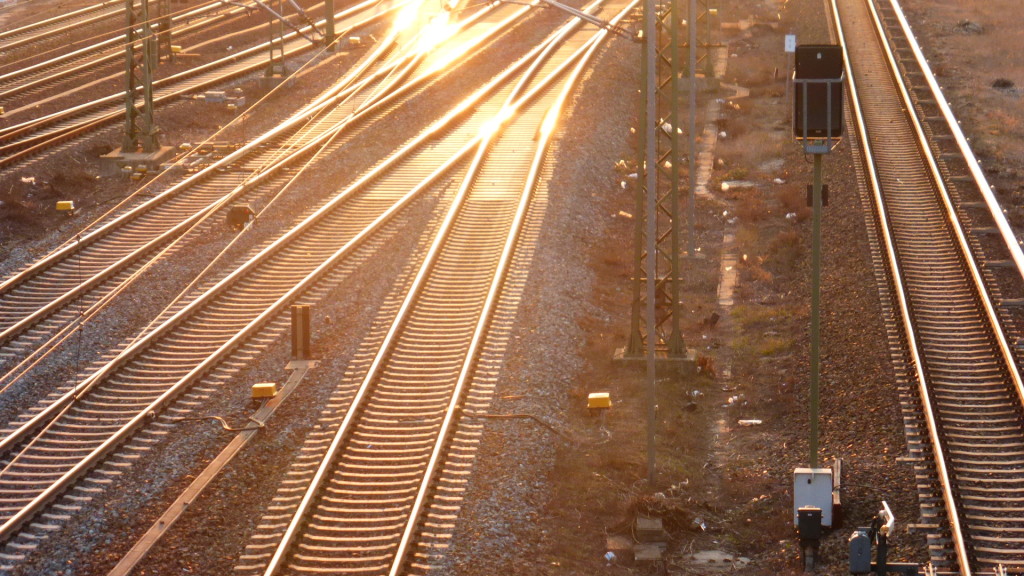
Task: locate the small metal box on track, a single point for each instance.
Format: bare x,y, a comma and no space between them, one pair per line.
599,400
264,390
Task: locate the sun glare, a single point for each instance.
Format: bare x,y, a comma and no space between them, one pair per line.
407,17
437,30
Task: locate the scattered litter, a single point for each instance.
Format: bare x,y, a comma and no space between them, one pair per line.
737,184
699,523
791,216
610,557
722,134
626,215
622,184
736,400
631,176
779,181
750,422
28,180
696,393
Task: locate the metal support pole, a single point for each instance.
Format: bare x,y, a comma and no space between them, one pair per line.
691,205
329,19
815,307
276,66
650,174
140,129
130,139
149,59
675,343
164,49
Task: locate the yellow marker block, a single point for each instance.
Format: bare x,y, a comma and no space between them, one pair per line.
264,390
599,400
65,205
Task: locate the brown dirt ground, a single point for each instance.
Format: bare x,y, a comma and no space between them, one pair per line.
737,479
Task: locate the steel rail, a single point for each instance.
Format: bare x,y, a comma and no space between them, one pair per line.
298,118
968,254
383,97
348,423
504,264
11,327
84,60
59,21
974,459
96,456
980,180
35,137
914,346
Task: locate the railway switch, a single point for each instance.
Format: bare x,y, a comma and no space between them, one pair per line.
877,534
860,552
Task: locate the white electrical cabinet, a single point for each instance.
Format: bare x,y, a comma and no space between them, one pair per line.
813,487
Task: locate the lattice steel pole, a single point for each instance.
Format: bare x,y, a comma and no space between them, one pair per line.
276,67
657,256
139,129
164,49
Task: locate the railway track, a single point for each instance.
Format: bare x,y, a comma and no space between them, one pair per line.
138,386
19,142
952,311
46,305
80,272
89,58
58,28
376,491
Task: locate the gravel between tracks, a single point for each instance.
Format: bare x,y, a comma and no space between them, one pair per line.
537,505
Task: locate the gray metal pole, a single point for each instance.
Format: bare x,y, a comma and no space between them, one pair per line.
815,307
149,57
691,205
651,180
329,17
